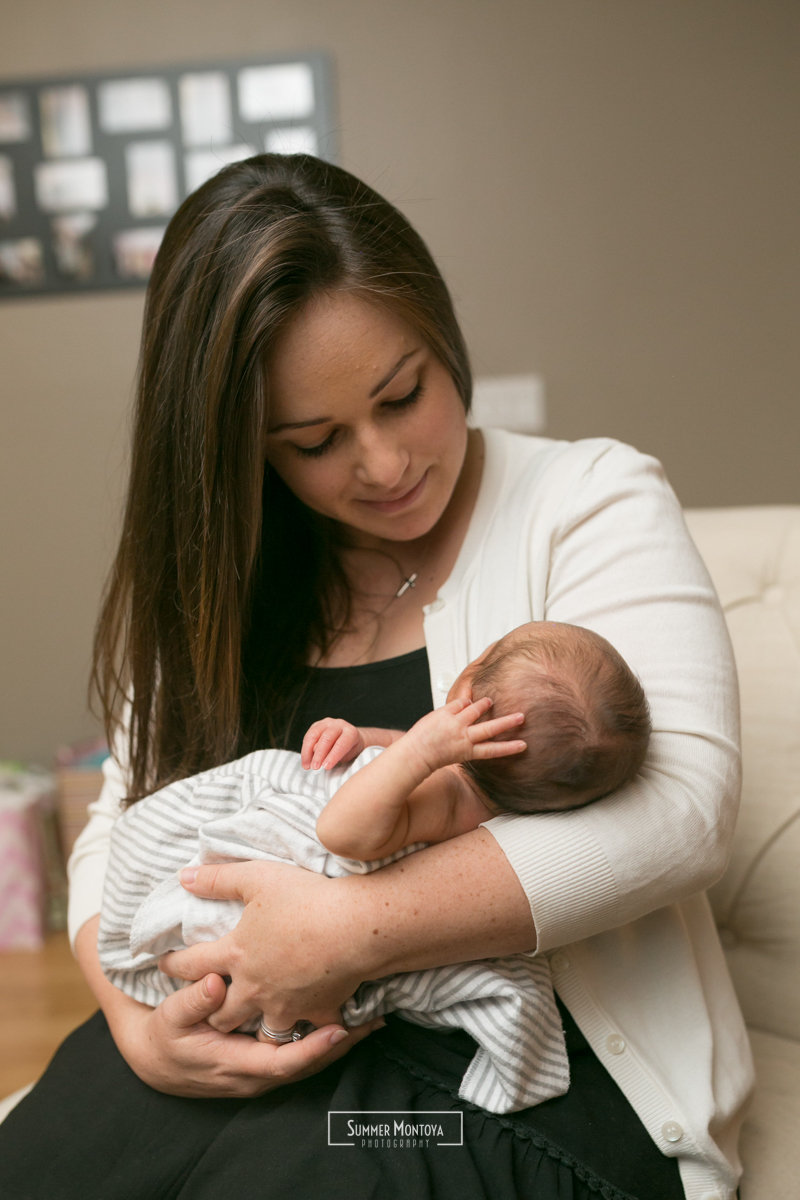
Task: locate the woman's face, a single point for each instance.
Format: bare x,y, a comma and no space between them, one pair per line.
365,423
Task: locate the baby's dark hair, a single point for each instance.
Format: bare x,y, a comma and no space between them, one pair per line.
587,722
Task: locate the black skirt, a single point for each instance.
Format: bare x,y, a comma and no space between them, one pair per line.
91,1130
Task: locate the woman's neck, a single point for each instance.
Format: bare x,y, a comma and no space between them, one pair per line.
382,623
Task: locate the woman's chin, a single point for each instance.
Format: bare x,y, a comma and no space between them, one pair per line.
402,526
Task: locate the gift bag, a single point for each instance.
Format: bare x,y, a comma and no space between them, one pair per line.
26,806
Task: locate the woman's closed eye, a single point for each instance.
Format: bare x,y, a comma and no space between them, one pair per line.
404,401
387,405
316,451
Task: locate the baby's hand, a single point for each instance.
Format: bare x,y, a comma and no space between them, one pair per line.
450,734
329,742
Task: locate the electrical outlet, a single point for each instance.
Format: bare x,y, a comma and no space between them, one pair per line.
514,402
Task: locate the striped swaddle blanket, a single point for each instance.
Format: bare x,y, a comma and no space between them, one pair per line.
265,806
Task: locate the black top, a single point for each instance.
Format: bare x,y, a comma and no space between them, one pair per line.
392,694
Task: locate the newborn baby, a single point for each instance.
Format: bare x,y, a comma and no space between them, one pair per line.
581,732
585,725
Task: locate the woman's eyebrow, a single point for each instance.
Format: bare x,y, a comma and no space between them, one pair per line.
300,424
387,379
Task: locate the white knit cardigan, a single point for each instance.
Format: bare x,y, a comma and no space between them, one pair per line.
590,533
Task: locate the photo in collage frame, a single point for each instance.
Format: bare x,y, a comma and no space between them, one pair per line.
93,167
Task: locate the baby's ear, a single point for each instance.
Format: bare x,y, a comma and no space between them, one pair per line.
462,688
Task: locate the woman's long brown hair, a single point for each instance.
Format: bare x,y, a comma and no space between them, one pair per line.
223,580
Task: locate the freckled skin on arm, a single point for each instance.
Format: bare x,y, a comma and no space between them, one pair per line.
453,902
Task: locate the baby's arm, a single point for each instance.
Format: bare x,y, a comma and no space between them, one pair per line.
404,796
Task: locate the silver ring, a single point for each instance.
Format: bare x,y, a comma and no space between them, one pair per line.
281,1036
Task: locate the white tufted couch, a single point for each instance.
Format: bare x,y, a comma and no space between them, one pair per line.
753,555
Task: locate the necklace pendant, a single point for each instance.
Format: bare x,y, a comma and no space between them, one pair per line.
409,583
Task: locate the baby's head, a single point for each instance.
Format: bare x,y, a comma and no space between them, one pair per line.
587,723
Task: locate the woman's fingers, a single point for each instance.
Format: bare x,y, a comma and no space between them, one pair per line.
190,1005
227,881
240,1004
490,729
316,1051
196,962
187,1008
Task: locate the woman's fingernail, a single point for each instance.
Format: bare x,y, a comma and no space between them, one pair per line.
337,1036
188,875
379,1024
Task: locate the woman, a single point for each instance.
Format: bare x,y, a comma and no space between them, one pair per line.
312,530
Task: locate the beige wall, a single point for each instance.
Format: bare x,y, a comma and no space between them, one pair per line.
611,188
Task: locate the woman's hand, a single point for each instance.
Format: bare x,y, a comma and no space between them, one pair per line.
304,942
174,1048
289,956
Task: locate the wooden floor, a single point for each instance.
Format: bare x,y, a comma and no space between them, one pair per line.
42,998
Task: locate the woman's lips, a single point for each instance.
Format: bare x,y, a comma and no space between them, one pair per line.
400,502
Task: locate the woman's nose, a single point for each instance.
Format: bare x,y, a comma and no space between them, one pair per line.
382,462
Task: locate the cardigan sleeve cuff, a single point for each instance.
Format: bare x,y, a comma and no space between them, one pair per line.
548,853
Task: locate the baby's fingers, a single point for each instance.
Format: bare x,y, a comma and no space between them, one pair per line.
324,744
342,749
490,729
312,736
497,749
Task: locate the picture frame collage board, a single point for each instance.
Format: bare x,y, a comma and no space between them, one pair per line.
92,167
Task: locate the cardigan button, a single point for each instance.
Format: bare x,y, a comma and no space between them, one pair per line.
672,1131
615,1044
435,606
559,962
445,681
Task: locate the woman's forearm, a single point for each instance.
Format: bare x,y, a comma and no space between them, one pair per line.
305,942
114,1003
454,902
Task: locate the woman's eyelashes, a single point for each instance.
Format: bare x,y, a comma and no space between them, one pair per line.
404,401
387,405
316,451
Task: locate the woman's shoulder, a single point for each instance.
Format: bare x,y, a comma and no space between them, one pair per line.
527,472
